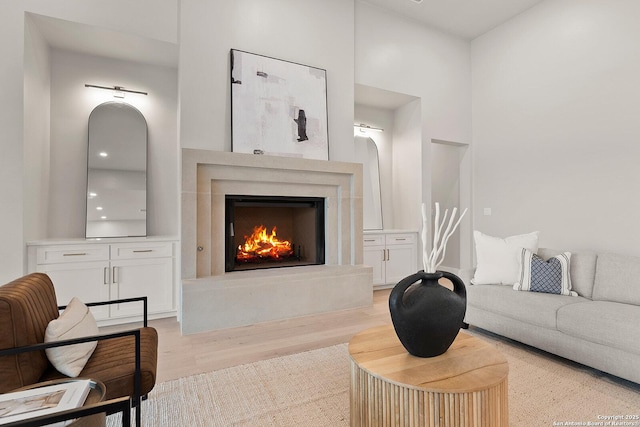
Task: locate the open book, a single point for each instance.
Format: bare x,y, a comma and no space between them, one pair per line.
21,405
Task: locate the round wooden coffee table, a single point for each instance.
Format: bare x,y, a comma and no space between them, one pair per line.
465,386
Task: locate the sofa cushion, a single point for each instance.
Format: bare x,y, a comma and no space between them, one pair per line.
498,260
27,305
530,307
549,276
582,269
617,279
602,322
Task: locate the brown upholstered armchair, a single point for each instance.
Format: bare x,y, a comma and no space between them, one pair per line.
125,362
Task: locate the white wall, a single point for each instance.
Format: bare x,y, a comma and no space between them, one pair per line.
12,39
409,177
555,125
309,32
153,19
161,24
71,105
37,112
399,55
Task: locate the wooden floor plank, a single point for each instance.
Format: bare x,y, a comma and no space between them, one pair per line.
181,356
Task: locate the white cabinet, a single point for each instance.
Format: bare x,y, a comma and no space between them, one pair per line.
375,255
109,271
88,281
393,256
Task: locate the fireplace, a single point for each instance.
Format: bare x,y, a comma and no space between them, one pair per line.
273,231
213,299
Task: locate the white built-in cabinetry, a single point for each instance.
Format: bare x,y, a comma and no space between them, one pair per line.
98,270
392,254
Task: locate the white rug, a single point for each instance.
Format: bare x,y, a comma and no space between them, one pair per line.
304,389
311,389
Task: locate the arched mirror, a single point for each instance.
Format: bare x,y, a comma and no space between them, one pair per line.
366,152
116,172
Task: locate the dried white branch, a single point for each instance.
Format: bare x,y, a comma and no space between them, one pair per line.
446,240
436,235
432,260
425,243
439,247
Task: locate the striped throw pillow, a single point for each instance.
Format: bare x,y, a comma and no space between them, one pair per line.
550,276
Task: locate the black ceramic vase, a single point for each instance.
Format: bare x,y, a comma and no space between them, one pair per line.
427,316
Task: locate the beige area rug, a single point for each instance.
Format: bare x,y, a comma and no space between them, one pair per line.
311,389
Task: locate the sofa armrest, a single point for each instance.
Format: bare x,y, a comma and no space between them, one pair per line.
120,301
121,404
137,383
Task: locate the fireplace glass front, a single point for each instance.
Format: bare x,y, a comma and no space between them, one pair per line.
273,231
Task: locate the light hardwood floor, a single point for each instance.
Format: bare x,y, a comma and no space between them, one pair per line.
180,356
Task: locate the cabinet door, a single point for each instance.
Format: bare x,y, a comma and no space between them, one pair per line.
88,281
374,257
152,278
401,262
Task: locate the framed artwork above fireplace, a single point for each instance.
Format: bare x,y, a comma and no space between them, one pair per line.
278,108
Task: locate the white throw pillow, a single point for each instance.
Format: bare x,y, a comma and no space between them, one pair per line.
498,260
76,321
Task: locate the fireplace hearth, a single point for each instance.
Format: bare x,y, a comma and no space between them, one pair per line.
273,231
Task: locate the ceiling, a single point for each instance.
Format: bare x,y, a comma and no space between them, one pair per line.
463,18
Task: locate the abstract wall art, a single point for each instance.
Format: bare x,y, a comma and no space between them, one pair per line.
278,108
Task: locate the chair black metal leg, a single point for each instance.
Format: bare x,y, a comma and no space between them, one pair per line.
138,413
126,417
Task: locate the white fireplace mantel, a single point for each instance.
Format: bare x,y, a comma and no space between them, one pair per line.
213,299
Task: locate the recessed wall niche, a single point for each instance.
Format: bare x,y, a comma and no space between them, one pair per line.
76,54
398,115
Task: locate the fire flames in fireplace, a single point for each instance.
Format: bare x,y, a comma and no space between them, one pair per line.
263,246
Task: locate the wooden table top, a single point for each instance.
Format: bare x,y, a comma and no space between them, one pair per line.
470,364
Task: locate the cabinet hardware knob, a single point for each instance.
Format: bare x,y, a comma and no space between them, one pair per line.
200,249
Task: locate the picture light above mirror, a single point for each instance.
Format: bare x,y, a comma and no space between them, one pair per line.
119,91
363,128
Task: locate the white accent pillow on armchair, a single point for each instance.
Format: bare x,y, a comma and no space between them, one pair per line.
498,260
76,321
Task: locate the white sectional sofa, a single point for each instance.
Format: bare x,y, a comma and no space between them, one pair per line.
600,327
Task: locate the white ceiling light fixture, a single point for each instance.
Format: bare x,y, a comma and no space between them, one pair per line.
417,1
